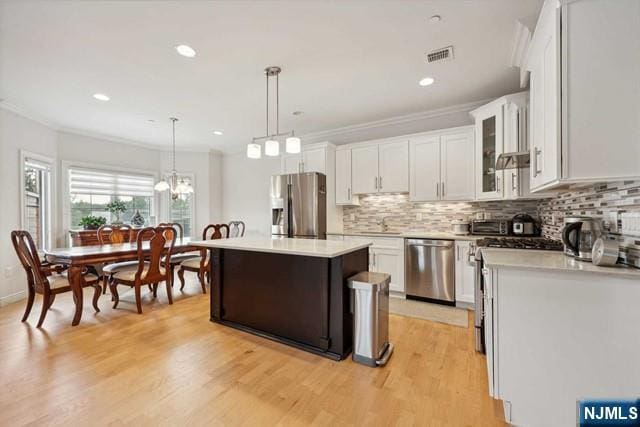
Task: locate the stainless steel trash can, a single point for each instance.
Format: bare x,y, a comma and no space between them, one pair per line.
370,306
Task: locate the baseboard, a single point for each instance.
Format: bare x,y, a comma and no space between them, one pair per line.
13,298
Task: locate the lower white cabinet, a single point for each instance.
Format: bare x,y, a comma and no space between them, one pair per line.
465,273
386,255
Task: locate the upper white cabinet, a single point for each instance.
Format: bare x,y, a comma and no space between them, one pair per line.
585,96
311,159
364,172
344,188
441,165
380,168
393,167
501,127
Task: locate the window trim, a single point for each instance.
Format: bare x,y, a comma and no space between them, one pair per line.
50,237
166,202
66,194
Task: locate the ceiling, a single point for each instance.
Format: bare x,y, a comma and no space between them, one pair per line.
344,63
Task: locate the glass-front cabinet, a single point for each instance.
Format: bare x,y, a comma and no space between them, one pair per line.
489,145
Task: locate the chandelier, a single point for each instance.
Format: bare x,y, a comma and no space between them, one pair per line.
172,182
272,140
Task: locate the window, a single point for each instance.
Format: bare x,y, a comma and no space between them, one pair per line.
181,209
90,191
36,203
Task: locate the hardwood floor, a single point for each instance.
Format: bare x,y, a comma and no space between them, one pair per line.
171,366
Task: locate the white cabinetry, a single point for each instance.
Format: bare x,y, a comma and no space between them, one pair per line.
501,127
380,168
441,165
465,274
311,159
585,100
386,255
344,188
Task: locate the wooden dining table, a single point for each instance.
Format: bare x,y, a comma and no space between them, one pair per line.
80,257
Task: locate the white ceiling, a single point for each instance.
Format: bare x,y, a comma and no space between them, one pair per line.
344,63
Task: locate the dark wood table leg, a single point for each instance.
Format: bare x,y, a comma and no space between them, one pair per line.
75,280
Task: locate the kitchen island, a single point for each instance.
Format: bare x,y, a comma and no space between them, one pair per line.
293,291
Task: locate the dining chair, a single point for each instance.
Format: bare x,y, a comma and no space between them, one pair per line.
112,234
200,264
236,229
176,259
148,269
45,278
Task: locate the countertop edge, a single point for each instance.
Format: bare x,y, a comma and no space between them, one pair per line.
224,245
572,266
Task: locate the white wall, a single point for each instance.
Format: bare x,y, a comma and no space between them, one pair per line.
16,133
245,191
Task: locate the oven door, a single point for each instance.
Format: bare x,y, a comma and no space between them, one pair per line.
479,304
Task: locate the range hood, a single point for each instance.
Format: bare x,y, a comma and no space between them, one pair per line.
513,160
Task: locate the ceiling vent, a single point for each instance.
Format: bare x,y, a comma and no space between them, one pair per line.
440,55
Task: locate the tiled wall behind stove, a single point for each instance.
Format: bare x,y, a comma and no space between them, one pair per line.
595,201
436,216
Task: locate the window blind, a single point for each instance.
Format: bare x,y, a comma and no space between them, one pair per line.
93,181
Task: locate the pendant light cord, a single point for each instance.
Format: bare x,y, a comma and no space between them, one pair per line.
278,104
266,73
174,120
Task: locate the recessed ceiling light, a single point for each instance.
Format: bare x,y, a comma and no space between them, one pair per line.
427,81
435,18
298,113
185,50
217,132
101,96
151,121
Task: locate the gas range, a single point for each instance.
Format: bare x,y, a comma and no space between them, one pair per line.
543,244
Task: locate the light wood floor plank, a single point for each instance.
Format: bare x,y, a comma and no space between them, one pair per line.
171,366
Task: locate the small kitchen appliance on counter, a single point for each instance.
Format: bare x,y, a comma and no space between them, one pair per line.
579,235
460,227
491,227
524,225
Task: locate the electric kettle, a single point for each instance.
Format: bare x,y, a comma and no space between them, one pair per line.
579,235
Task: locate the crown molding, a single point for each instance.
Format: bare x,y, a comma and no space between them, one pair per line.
392,121
101,136
23,112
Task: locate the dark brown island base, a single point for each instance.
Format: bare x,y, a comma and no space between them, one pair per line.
293,291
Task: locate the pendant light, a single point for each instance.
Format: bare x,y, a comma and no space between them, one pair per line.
272,141
177,185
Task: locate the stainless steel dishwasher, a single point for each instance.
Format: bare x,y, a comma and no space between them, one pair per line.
430,269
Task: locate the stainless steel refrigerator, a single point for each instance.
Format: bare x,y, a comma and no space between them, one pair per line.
299,205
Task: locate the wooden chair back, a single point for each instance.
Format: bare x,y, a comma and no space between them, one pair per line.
114,234
236,228
158,238
28,254
215,231
175,225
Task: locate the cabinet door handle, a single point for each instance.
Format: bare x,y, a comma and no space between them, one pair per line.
497,183
349,194
458,253
514,184
375,182
380,182
537,152
437,189
302,166
443,189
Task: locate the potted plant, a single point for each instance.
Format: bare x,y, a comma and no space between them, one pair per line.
91,222
116,207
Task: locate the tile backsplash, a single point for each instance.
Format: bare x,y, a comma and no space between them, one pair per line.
599,201
402,214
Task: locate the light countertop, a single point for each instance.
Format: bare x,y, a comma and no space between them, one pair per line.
549,260
410,235
303,247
